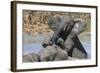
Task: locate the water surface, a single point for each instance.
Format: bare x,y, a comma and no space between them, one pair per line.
31,47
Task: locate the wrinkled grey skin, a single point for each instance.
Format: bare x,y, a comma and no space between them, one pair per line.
69,44
62,25
53,53
65,34
50,53
78,28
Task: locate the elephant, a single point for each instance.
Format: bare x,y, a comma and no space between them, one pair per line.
50,53
32,57
72,41
53,53
62,26
66,31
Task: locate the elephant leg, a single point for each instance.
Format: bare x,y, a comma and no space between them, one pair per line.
56,34
79,46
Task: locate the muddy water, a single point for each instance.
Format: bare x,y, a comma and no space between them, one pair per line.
32,44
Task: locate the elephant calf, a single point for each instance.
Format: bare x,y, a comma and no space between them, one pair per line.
53,53
50,53
32,57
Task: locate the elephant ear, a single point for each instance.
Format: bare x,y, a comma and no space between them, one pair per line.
80,23
53,22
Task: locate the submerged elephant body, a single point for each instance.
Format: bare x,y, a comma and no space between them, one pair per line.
53,53
50,53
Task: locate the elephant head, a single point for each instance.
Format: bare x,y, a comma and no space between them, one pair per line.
64,25
58,21
79,26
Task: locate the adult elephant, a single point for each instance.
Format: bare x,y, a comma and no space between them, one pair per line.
62,26
67,28
72,43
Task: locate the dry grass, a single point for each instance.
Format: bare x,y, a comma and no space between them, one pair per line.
37,21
